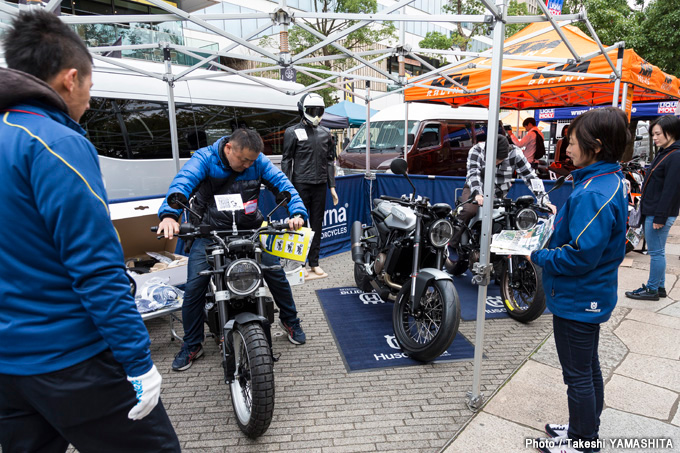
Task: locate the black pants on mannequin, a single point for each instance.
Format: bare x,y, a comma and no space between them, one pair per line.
314,198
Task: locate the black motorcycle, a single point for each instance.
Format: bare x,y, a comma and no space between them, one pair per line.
239,314
401,256
520,280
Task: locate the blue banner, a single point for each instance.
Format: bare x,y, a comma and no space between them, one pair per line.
642,110
356,196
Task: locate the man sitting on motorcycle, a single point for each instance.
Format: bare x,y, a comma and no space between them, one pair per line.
509,158
232,165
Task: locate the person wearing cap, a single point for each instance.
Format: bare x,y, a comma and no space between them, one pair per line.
509,158
308,156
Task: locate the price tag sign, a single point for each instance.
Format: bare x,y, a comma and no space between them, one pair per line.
301,134
537,185
229,202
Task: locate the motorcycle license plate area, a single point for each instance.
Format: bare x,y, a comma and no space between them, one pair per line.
362,328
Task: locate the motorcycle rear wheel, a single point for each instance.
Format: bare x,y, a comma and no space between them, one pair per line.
427,335
252,390
526,302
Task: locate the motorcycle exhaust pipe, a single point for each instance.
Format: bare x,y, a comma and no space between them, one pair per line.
355,238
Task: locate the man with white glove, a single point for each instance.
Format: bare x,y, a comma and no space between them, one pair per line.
148,390
70,332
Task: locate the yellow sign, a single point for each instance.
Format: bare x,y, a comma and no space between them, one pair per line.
143,2
291,245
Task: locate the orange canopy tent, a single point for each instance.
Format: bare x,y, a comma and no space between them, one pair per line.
588,82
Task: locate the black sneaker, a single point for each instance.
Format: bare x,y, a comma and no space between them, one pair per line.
186,356
293,331
662,292
643,293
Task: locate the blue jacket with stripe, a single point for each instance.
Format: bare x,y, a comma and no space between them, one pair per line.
580,265
207,173
64,295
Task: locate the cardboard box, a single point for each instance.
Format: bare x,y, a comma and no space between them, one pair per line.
133,221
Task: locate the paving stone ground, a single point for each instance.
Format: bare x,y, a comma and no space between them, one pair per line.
320,407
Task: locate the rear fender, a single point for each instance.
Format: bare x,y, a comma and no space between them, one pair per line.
423,279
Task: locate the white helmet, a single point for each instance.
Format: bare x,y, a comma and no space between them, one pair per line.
311,108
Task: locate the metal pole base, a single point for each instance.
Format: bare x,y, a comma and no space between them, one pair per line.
474,403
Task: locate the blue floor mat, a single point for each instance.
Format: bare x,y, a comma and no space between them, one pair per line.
362,327
467,292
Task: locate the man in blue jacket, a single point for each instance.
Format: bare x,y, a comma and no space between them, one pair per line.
75,365
232,165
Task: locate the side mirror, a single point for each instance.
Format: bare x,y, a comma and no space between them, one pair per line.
399,166
559,183
410,139
177,200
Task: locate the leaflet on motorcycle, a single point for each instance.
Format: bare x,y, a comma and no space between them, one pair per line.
289,245
522,242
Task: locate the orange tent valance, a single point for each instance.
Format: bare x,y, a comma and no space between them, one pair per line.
536,90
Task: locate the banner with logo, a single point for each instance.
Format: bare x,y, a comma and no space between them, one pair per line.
554,6
639,110
355,195
337,220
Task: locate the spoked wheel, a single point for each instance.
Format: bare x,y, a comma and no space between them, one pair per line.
427,333
523,297
252,390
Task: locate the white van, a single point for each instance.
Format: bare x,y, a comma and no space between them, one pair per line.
439,138
129,126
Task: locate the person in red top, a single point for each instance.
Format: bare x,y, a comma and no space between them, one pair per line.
528,142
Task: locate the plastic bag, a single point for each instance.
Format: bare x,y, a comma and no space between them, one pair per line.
156,294
635,217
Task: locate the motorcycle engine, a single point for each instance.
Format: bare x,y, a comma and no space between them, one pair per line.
379,263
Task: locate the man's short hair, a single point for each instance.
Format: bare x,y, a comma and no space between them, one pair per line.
246,139
529,121
606,128
40,44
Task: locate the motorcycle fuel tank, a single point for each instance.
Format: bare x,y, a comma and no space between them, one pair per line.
401,218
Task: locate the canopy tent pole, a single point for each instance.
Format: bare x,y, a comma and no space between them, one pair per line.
624,95
368,130
168,78
482,269
617,84
405,130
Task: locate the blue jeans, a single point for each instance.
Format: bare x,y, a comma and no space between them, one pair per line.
656,246
197,285
577,344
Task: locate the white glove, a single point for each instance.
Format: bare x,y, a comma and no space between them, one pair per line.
148,389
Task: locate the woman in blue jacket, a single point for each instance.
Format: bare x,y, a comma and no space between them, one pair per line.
580,270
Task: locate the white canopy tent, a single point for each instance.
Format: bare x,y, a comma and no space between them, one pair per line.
282,17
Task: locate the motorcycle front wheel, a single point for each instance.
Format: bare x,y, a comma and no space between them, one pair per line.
252,390
523,297
426,334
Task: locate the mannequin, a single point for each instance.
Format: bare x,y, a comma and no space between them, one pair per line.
308,156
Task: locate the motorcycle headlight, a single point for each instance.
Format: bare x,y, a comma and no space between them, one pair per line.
441,232
243,277
526,219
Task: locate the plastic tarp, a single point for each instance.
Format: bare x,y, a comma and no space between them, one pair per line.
355,112
644,110
334,121
536,90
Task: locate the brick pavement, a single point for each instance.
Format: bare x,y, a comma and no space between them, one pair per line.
322,408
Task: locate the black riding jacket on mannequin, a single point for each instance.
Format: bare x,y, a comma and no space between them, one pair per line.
308,155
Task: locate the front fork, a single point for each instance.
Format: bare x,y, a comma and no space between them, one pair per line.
415,268
221,298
